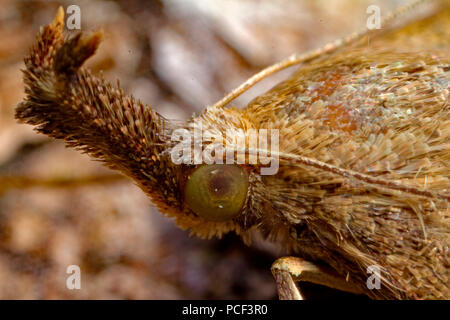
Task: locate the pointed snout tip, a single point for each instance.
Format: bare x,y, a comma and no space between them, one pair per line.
59,18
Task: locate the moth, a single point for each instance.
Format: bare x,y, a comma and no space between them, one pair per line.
363,154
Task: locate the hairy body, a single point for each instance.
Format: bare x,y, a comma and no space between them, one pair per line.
364,154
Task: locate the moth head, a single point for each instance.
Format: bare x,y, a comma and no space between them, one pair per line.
65,101
210,197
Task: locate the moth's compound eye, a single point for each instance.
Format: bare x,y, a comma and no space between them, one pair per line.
216,192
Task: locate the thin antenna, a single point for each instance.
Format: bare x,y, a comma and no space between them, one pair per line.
347,173
311,55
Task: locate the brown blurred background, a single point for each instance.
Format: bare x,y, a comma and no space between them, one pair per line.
59,208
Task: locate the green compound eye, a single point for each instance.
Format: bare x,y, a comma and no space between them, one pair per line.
216,192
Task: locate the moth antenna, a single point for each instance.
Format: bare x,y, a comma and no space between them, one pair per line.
364,177
311,55
349,173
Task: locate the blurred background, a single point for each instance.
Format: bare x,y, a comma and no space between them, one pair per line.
59,208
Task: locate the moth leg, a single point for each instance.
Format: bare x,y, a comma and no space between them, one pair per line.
288,270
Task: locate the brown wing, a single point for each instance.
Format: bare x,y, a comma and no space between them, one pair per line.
431,33
381,111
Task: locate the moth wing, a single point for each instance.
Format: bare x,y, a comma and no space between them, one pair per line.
380,110
430,33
